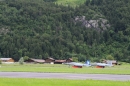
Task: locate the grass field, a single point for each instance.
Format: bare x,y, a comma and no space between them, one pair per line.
58,82
72,3
120,69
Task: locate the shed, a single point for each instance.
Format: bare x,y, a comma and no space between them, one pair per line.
50,60
31,60
69,60
7,60
59,61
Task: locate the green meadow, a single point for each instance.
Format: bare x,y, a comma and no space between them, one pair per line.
72,3
58,82
60,68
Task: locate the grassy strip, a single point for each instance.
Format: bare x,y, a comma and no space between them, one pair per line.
72,3
59,82
123,69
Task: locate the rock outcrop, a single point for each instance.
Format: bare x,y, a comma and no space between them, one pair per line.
4,30
98,24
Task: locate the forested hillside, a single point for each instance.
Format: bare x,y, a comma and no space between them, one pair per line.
96,30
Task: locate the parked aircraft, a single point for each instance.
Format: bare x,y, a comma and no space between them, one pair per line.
77,64
102,64
88,64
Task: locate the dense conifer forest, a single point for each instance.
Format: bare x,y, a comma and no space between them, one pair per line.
95,30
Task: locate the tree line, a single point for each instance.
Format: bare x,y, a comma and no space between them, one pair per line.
41,29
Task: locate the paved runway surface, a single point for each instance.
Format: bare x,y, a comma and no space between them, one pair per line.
65,76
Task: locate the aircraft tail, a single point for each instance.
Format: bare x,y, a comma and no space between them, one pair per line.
87,63
110,63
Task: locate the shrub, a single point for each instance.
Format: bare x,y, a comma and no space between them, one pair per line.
0,62
21,61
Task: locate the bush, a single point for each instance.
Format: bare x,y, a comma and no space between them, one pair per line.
109,57
21,61
0,62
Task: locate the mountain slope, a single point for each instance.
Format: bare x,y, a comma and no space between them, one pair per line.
39,29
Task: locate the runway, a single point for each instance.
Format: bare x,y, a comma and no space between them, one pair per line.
65,76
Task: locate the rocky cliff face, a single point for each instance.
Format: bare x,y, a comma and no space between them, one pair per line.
4,30
99,24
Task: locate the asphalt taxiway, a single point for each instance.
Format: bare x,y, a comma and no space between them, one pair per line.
65,76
